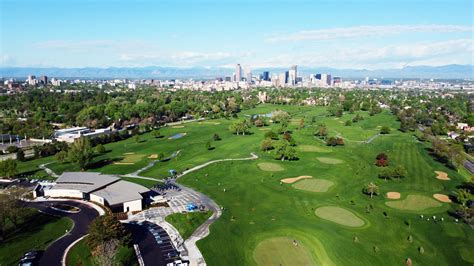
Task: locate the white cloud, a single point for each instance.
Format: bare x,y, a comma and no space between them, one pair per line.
365,31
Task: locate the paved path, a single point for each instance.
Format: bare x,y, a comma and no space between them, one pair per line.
48,170
53,256
372,138
136,174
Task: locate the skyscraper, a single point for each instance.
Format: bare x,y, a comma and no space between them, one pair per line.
44,80
238,73
266,76
293,73
248,74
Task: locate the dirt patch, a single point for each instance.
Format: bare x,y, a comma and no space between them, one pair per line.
292,180
442,175
153,156
393,195
442,198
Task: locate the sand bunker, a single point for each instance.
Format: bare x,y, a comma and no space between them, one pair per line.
177,126
393,195
442,198
153,156
128,153
292,180
119,163
442,175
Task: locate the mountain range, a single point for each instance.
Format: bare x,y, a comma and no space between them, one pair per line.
158,72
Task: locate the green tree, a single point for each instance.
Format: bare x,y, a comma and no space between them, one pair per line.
216,137
463,196
385,130
100,148
267,144
284,151
105,228
156,134
371,189
208,145
271,135
61,156
20,155
81,152
8,168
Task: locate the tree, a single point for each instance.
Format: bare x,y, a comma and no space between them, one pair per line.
271,135
332,141
20,155
284,151
371,189
266,145
385,173
137,138
259,123
321,131
381,160
100,148
61,156
240,127
385,130
160,156
280,116
81,152
209,145
12,149
156,134
463,196
301,125
105,228
399,172
216,137
8,168
105,253
340,141
348,123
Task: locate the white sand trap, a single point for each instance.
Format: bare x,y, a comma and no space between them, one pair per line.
128,153
153,156
442,198
119,163
442,175
393,195
292,180
177,126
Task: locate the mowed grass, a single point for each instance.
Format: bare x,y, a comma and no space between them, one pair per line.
270,167
187,223
36,232
282,251
328,160
314,185
313,148
339,215
414,203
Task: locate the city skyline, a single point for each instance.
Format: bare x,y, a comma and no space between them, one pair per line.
391,34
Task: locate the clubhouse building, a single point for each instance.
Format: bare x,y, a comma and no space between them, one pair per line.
108,190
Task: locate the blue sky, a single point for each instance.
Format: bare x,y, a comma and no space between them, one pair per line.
344,34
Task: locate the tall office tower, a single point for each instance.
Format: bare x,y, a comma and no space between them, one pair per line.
318,76
44,80
293,74
326,79
248,75
266,76
32,80
238,73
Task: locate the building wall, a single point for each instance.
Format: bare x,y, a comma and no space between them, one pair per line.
97,199
63,193
135,205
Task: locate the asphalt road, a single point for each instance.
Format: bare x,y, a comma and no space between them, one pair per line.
54,253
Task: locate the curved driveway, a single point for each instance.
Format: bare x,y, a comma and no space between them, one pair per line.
54,253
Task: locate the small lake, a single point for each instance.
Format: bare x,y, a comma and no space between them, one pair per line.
177,136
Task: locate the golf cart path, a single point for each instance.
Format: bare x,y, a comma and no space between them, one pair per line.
136,174
48,170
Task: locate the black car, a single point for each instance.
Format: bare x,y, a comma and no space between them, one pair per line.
30,258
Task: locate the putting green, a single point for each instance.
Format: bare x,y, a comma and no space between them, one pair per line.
339,215
281,251
414,203
328,160
312,148
131,158
314,185
270,167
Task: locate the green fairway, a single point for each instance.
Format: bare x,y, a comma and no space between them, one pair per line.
314,185
328,160
270,167
414,203
339,215
36,232
282,251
